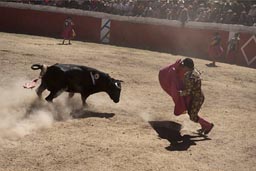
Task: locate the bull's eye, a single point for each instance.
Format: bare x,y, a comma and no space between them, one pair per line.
96,76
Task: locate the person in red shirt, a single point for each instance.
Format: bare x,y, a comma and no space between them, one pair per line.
68,32
215,49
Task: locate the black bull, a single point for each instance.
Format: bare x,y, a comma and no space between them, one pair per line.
76,79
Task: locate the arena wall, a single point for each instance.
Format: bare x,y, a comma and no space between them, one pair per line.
16,18
138,32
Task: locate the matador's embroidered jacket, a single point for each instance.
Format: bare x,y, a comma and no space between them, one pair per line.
192,82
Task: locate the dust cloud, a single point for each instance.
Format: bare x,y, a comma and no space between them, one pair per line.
22,113
137,107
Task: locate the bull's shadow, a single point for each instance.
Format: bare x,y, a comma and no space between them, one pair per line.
57,111
79,114
171,131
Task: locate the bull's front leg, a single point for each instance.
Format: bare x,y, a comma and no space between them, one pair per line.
70,95
54,94
84,96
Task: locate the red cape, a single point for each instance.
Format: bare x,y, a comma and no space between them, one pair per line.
170,78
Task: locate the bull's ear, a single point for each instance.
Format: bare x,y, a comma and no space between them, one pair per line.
120,81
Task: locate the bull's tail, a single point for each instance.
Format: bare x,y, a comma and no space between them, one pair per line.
37,66
42,67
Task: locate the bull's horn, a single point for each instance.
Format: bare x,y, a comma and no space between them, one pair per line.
116,84
36,66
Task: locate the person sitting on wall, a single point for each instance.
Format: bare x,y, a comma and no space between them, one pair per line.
215,49
68,32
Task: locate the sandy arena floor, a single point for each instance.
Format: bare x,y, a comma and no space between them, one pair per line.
133,135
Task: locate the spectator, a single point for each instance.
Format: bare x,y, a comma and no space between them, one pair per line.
202,17
131,7
234,19
243,19
252,15
227,18
240,12
183,17
174,13
191,13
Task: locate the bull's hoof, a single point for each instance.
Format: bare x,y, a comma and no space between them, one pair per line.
49,100
85,105
40,98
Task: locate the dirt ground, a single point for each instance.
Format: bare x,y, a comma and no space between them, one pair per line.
137,134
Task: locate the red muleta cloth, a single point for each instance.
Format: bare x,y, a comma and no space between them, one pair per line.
31,84
170,78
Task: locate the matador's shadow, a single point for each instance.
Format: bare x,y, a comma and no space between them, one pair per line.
171,131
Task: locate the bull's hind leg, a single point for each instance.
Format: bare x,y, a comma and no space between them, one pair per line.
40,90
53,94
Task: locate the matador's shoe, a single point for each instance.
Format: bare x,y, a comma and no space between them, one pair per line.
207,131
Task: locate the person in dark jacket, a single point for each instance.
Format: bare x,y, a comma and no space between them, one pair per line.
233,47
